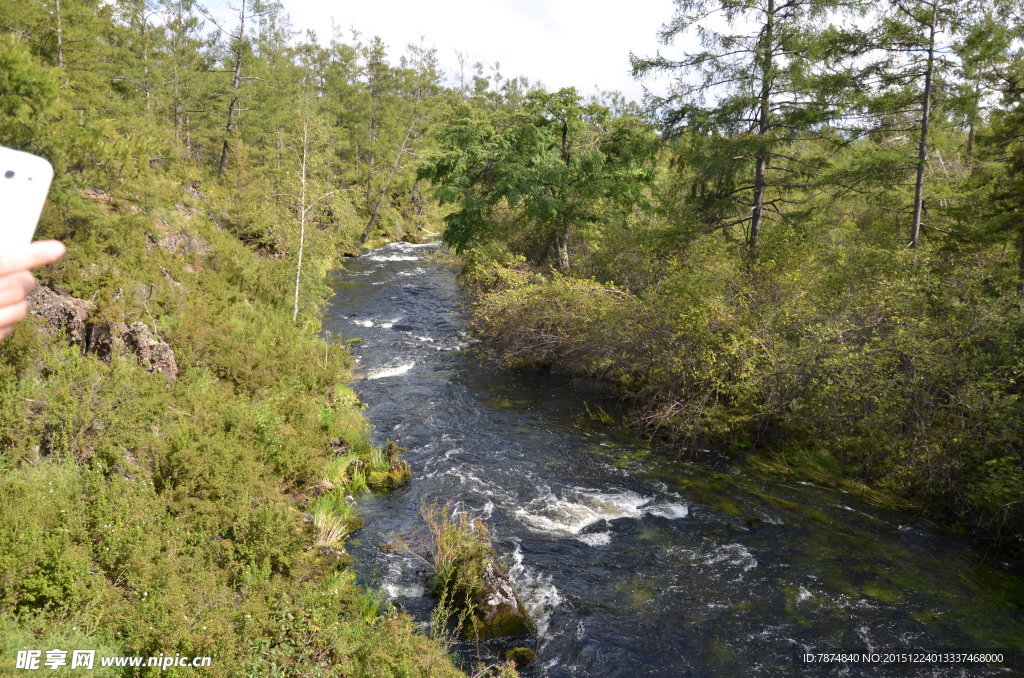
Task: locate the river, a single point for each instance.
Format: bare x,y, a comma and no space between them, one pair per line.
633,564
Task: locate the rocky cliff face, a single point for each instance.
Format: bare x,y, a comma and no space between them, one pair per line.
64,313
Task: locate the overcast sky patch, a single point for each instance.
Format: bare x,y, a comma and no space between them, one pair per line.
557,42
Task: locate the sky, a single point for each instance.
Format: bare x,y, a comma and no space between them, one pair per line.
583,43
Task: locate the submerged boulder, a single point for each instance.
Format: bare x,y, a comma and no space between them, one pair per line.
469,581
522,656
499,610
396,473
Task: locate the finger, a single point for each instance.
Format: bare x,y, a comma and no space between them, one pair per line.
35,255
15,287
13,313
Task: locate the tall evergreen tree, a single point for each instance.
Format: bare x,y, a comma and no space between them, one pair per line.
239,53
184,68
911,66
768,77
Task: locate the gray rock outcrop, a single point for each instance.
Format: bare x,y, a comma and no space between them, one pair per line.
65,313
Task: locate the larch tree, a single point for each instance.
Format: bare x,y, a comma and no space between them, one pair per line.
1001,169
416,87
769,73
183,68
910,63
239,51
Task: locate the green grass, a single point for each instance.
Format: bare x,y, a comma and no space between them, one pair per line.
142,517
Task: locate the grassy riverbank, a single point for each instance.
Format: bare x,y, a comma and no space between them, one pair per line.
144,515
176,451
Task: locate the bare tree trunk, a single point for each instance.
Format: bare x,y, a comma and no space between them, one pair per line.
922,146
563,250
462,73
375,212
236,84
302,218
763,126
146,85
279,147
973,119
563,237
177,119
1020,264
176,79
176,92
60,35
188,137
371,140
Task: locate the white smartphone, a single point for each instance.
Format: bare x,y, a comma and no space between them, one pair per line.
24,182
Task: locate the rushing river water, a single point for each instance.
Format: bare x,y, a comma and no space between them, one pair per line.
634,565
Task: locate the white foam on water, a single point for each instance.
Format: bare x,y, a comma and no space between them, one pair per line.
392,257
865,635
394,587
727,562
430,466
391,371
570,516
471,480
363,323
670,511
453,346
419,338
539,595
387,326
596,538
733,555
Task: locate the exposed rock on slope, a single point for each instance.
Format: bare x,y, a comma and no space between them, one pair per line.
177,241
62,312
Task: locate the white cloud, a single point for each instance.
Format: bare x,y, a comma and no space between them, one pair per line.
559,42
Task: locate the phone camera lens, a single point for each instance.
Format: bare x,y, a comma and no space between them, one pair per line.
9,174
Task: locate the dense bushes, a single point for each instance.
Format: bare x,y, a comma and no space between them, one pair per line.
857,367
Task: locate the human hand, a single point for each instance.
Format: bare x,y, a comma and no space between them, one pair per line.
16,282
